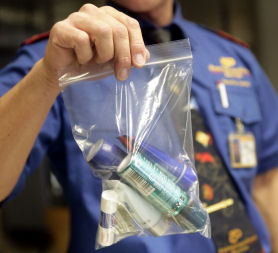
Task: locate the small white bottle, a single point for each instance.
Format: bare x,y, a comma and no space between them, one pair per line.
107,221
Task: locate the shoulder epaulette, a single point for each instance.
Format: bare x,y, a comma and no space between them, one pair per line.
35,38
227,36
232,38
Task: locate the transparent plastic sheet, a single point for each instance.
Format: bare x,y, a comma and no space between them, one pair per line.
136,136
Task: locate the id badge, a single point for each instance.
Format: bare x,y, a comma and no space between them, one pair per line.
242,150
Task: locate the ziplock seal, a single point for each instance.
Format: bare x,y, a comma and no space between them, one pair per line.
161,54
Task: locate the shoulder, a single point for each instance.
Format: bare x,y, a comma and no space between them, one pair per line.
224,36
35,38
202,34
230,37
26,56
33,48
35,45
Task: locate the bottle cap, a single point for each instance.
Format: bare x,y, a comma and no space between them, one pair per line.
193,217
109,202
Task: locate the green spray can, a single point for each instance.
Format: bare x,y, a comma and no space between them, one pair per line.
155,185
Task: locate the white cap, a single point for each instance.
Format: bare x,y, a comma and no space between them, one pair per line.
109,201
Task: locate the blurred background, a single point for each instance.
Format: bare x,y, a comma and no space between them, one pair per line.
37,221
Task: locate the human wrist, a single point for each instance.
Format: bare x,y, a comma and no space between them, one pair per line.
48,79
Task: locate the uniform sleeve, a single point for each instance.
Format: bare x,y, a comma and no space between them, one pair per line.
10,76
268,101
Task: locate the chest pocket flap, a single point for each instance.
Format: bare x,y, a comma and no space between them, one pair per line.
243,103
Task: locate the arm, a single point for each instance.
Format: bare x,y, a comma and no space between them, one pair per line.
265,196
24,108
22,112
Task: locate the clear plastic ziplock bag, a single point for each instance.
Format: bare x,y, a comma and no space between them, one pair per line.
136,136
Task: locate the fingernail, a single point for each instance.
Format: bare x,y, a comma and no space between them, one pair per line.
123,74
139,59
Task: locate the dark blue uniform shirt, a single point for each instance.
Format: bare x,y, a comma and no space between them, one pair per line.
251,98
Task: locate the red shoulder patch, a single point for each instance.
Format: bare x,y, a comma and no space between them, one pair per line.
35,38
232,38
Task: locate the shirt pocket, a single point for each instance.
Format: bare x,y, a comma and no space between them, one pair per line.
243,104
